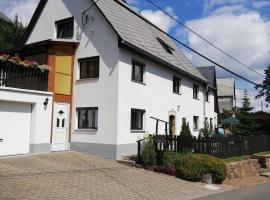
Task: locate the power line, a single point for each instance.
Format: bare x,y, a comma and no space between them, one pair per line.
203,38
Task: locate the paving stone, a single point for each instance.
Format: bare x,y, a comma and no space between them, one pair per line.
76,176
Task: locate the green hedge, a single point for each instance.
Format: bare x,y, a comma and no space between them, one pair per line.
191,167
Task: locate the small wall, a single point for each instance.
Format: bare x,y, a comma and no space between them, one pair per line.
263,160
243,169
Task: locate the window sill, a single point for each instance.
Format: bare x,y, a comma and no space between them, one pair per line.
86,80
142,83
196,99
137,131
177,93
90,129
196,130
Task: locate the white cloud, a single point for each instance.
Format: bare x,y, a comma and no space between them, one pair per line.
24,8
210,4
245,36
255,103
160,19
261,4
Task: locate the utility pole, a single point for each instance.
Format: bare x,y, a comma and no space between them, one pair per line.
261,106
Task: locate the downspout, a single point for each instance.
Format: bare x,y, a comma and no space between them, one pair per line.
204,102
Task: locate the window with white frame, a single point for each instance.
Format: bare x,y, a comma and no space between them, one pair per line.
137,119
138,69
195,122
195,91
176,85
89,67
87,118
65,28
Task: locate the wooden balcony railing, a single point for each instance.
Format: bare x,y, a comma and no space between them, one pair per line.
23,77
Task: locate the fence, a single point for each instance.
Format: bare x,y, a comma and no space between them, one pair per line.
23,77
222,147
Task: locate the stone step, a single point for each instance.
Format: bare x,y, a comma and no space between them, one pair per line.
266,174
127,162
264,170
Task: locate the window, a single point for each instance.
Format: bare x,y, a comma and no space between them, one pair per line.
87,118
195,91
206,96
195,122
176,85
166,46
211,122
65,28
137,118
138,71
89,67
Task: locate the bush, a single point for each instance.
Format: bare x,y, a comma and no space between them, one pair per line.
191,167
169,158
185,138
149,155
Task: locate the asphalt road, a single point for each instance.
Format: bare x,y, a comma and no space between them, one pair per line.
259,192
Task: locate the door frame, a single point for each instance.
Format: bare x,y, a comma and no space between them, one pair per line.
54,125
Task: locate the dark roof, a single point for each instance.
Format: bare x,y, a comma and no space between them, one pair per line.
209,72
33,21
136,33
226,87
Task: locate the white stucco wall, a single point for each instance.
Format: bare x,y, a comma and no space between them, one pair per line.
96,38
157,99
40,118
113,92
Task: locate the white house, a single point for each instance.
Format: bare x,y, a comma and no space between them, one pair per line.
114,70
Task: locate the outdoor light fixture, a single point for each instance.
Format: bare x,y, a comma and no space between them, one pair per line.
46,102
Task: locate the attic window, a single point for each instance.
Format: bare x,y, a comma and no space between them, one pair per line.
65,28
167,47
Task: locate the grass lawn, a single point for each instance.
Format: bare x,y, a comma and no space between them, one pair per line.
234,159
265,153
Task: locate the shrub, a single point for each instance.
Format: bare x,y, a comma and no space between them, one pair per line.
185,138
149,155
191,167
169,158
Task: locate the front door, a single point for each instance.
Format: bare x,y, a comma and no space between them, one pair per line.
60,127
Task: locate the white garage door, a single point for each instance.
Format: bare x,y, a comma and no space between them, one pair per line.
15,127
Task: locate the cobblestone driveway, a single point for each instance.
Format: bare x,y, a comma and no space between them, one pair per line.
75,176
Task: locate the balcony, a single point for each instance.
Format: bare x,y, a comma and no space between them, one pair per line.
29,78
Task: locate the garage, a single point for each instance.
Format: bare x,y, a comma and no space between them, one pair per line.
15,128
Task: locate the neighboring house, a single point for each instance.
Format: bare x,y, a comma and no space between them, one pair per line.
111,71
209,72
226,94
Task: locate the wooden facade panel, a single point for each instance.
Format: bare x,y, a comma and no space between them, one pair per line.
62,84
63,63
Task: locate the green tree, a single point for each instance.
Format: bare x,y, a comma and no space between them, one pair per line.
207,131
247,125
186,139
11,33
264,88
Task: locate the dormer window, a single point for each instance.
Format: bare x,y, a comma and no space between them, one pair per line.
166,46
65,28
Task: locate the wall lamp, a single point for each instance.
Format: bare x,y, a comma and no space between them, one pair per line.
46,102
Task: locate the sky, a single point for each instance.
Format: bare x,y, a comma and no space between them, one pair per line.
239,27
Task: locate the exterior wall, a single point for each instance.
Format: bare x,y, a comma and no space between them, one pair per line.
113,92
225,103
45,27
157,99
40,118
